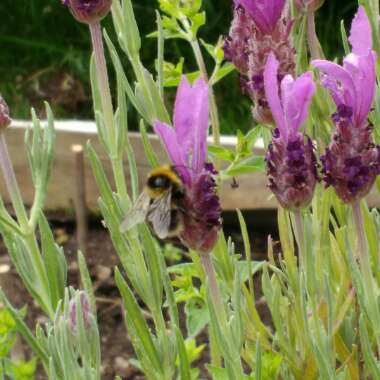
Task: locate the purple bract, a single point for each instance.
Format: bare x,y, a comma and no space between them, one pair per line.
352,161
186,145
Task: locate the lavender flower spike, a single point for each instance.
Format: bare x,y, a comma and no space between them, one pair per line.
186,145
5,120
258,28
291,163
88,11
352,161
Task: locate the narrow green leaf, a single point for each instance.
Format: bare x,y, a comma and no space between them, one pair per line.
131,30
136,320
149,152
160,55
54,261
23,329
344,38
100,175
222,72
86,281
258,361
247,249
184,365
247,165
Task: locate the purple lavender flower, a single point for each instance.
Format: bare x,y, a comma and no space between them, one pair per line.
258,29
5,120
352,161
291,163
88,11
186,145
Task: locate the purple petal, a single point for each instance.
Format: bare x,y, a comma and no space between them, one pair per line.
191,121
361,33
338,81
271,92
174,148
201,108
362,71
296,98
265,13
183,117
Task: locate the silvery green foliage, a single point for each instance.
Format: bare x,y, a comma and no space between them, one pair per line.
322,290
72,340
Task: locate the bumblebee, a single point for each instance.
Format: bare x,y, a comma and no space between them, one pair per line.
158,204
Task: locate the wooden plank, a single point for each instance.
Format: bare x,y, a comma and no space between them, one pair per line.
252,193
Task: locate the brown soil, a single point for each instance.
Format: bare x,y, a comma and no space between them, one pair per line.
101,257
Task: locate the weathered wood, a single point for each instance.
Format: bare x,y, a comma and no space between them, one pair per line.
251,193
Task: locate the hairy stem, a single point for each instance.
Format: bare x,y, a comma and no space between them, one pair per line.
104,87
11,184
102,75
300,237
359,225
209,269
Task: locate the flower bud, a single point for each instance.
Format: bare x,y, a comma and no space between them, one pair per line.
308,6
89,11
5,120
86,312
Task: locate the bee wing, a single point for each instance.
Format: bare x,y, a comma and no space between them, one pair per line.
160,215
137,214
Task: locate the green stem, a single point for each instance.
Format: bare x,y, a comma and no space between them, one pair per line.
37,207
359,225
102,75
300,237
11,184
106,99
209,269
119,175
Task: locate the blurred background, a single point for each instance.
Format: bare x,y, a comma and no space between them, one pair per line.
45,55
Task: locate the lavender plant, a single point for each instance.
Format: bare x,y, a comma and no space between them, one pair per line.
322,290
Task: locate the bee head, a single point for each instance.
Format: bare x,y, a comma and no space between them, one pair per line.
159,182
